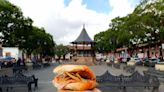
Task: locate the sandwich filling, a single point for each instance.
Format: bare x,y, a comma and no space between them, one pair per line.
77,76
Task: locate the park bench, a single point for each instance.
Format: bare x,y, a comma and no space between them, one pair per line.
36,65
18,80
108,80
116,65
19,69
130,69
153,72
39,65
45,64
109,64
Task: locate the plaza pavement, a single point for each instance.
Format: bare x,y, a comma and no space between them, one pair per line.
46,75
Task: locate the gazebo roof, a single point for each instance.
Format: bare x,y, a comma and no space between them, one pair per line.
83,37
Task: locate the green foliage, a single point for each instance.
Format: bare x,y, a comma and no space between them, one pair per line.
13,25
144,25
61,50
17,30
40,42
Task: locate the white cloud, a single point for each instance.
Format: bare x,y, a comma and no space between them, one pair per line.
121,8
65,23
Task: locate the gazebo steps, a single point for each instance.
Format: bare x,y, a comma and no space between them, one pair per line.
84,60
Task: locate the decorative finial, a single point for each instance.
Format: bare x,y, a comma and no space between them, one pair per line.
83,25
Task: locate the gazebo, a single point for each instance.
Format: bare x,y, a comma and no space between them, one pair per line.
82,48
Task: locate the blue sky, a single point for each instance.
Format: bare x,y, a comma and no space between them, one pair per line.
100,6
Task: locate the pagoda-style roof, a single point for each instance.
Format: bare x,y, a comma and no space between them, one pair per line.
83,38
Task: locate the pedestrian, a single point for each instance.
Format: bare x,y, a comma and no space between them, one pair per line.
14,62
20,62
0,64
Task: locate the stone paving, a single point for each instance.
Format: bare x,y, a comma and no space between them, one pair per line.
45,76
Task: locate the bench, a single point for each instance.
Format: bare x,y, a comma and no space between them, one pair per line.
46,64
130,69
36,65
17,69
153,72
18,80
108,80
116,65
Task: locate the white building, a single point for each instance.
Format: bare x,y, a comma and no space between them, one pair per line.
11,51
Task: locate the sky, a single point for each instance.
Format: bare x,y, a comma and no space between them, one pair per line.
64,19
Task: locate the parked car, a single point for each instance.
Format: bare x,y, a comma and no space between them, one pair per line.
131,62
146,59
7,62
119,59
124,60
151,62
138,61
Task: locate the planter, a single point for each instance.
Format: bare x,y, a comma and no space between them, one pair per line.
29,64
131,63
159,66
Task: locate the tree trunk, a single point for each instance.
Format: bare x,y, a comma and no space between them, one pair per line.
63,57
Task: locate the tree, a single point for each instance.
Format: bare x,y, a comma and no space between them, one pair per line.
17,30
115,37
144,25
14,27
61,50
151,13
40,42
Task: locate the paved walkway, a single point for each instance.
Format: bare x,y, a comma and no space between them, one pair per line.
45,76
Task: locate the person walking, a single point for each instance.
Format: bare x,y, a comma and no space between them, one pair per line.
20,62
0,64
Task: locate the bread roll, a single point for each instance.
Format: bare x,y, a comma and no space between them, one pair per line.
74,77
